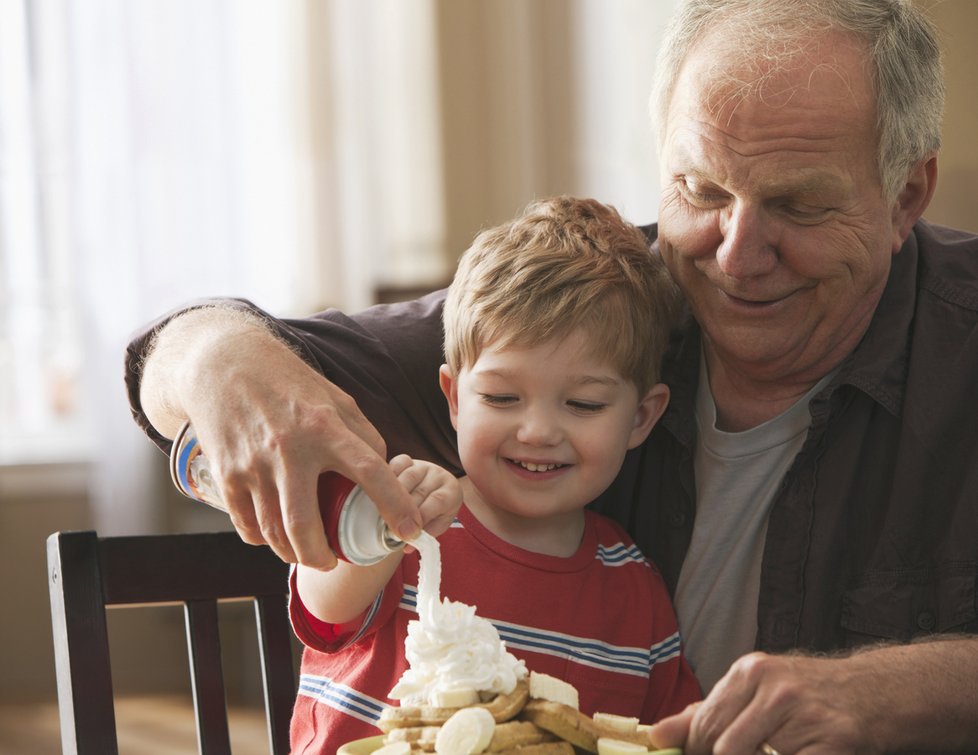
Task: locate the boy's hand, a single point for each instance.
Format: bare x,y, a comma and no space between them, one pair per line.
436,493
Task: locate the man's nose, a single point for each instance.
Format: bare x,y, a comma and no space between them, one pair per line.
747,248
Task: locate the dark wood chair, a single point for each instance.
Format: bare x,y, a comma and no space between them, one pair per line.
87,573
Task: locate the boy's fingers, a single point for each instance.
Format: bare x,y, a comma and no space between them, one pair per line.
358,462
401,463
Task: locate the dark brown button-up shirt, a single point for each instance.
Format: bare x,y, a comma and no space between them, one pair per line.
874,531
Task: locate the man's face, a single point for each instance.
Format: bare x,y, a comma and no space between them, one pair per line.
772,217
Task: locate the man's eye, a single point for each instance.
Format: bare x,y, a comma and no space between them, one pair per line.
495,399
696,195
805,213
589,407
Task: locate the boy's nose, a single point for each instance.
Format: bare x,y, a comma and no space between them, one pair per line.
537,428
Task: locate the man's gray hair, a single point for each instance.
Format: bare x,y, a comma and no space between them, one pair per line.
903,53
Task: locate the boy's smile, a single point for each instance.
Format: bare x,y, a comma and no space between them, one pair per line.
542,431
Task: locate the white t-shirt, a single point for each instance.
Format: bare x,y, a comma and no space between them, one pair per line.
737,476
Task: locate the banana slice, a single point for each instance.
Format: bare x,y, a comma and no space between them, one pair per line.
468,731
454,698
609,746
546,687
616,722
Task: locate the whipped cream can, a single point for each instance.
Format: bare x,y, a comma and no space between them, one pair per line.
354,528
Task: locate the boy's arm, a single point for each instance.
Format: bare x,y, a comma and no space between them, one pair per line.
342,594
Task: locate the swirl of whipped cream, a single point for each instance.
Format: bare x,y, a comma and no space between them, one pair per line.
448,647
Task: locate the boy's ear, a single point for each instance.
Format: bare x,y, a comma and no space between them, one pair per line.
650,409
449,386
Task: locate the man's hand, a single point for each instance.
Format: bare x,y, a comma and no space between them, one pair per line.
918,697
792,703
270,425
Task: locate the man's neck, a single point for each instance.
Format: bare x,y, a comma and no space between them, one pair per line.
743,401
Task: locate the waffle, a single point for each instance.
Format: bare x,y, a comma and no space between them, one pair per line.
523,726
503,707
575,727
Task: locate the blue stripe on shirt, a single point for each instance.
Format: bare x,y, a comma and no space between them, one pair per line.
620,554
341,697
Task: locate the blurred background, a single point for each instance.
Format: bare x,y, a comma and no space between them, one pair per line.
300,153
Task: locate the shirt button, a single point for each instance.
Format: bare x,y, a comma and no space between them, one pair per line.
677,518
926,621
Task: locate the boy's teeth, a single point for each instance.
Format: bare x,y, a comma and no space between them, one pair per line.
537,467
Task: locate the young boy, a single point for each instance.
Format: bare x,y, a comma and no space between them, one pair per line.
555,326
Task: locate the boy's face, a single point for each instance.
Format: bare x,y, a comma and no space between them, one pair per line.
543,430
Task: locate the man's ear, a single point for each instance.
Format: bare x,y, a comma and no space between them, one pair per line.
449,386
650,409
913,199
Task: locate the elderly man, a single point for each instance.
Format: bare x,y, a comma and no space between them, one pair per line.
813,486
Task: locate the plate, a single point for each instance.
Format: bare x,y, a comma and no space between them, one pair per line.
361,746
368,745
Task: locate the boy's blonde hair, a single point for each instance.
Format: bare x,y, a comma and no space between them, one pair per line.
563,263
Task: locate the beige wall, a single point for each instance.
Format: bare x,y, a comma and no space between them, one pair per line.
956,200
506,110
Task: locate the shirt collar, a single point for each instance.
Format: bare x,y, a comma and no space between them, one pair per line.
878,365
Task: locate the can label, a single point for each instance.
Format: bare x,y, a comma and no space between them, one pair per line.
190,470
354,528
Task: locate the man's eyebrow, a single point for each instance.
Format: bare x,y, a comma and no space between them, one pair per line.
807,184
816,184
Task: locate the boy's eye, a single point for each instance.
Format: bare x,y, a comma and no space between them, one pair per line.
496,399
586,406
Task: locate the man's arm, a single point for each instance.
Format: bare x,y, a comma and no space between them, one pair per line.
270,425
919,697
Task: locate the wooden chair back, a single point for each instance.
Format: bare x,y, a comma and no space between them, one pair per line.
88,573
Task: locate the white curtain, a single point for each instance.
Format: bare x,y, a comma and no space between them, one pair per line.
151,154
300,153
163,150
188,183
